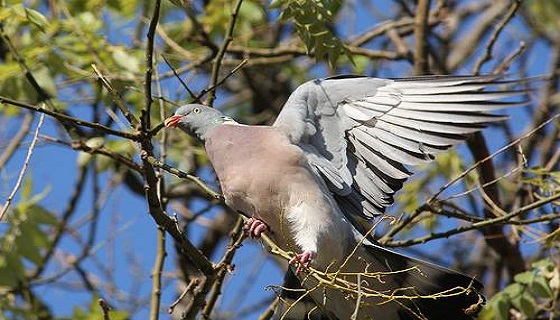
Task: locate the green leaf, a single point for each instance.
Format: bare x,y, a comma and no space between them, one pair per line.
13,267
26,243
7,278
83,159
45,81
525,304
27,199
312,20
118,315
89,21
19,10
79,314
26,188
501,309
125,60
41,215
8,70
251,12
541,288
524,277
487,313
544,265
513,290
126,8
37,18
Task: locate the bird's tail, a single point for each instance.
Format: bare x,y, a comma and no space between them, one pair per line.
428,291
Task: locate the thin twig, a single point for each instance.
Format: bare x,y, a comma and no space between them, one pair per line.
494,37
17,139
156,274
427,204
23,169
218,60
179,78
80,145
223,267
68,119
219,83
117,98
499,151
269,312
476,225
146,112
183,175
161,240
502,67
190,287
105,309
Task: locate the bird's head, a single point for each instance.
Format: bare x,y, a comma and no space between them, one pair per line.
196,119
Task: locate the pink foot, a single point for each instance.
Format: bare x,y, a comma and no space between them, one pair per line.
254,227
302,260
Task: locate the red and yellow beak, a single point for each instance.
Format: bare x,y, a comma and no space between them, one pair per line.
173,121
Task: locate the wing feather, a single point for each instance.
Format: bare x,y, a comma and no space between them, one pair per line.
361,133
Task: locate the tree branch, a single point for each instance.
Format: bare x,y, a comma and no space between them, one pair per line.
494,37
145,118
68,119
23,169
421,33
17,139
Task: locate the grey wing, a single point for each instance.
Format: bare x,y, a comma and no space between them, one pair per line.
360,134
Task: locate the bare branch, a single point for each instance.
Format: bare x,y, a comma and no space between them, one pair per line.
23,169
475,226
68,119
156,275
145,118
421,33
494,37
117,98
224,266
218,59
17,139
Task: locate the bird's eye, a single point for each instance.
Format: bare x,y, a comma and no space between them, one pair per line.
196,110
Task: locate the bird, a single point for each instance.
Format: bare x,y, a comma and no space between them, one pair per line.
330,165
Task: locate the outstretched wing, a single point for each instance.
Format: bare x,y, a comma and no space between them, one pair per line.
360,134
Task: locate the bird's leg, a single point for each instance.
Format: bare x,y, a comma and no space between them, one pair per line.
302,260
254,227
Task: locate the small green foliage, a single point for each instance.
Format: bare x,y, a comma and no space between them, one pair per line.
125,60
545,13
531,290
83,159
546,182
36,18
314,20
25,16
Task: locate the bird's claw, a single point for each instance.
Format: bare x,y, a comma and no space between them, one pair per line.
302,260
255,227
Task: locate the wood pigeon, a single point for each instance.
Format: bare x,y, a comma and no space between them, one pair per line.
334,158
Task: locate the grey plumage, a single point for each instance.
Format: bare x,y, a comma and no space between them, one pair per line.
334,158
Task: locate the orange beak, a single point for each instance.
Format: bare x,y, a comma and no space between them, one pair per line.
173,121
